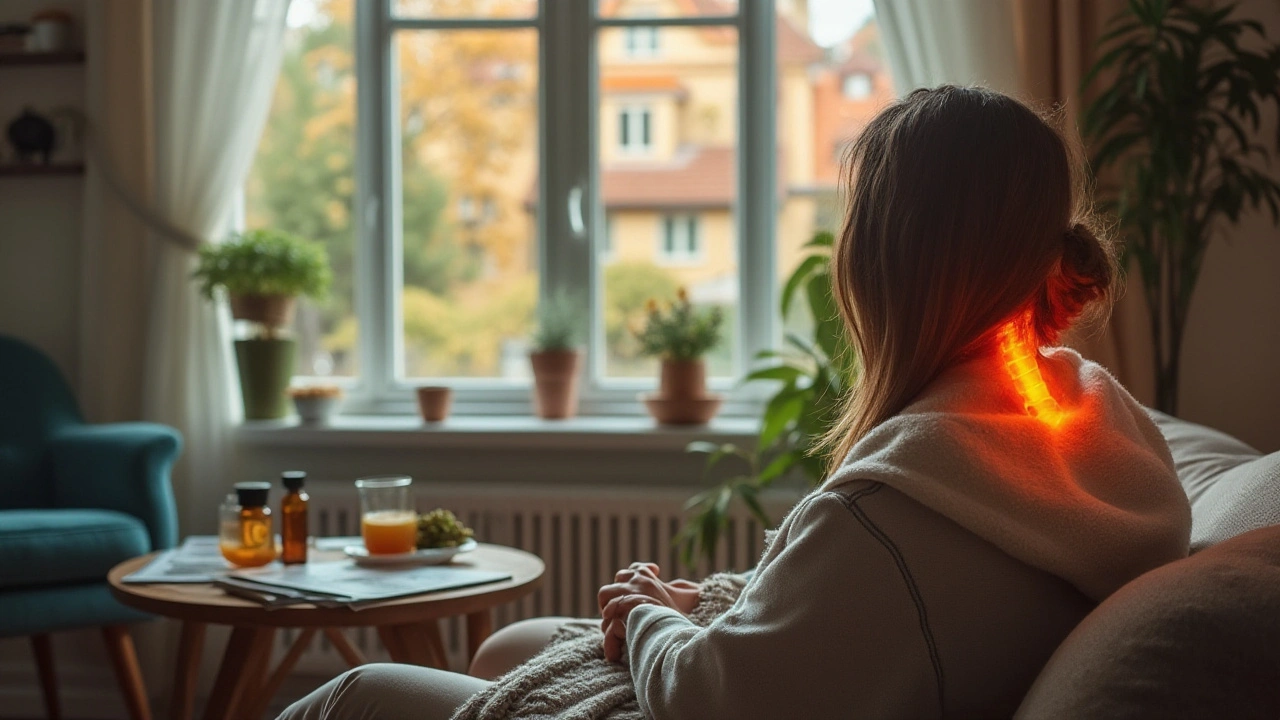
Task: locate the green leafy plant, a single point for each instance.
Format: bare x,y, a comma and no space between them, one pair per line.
559,324
264,262
1175,123
680,331
809,376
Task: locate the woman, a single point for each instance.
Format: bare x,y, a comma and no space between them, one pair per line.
993,489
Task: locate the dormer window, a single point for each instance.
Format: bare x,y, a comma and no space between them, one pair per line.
640,42
635,129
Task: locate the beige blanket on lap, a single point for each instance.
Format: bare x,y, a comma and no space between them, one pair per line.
570,677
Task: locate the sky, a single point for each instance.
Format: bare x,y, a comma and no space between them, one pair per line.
831,21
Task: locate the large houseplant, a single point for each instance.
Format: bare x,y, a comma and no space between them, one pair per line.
555,357
679,335
1177,119
262,272
808,378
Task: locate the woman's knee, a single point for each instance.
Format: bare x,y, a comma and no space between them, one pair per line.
514,644
382,691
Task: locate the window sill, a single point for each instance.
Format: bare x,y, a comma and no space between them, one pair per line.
504,432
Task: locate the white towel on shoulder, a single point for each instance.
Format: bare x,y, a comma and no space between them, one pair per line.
1094,501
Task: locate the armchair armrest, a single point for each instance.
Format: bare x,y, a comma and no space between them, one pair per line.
123,467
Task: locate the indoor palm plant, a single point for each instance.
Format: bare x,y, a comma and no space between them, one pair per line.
1182,90
679,335
555,357
262,272
808,377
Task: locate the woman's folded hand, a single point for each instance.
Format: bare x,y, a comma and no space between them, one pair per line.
638,585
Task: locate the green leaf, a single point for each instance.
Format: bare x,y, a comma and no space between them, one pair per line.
780,412
822,239
778,467
798,278
749,497
785,373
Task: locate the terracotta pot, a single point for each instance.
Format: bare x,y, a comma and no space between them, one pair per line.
682,379
274,311
682,397
555,381
434,403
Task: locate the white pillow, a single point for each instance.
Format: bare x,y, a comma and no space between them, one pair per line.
1232,487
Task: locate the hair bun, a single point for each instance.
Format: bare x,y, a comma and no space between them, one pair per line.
1087,272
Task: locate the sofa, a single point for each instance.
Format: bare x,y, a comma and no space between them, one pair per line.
75,500
1197,638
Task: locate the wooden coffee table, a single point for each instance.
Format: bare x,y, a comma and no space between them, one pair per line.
407,626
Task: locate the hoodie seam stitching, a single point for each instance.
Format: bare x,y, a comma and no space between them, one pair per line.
851,504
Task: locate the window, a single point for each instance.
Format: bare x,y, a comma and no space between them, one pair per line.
641,42
462,159
679,239
635,129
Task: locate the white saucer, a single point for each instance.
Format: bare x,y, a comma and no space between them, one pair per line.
429,556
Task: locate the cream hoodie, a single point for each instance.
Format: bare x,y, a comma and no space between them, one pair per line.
937,570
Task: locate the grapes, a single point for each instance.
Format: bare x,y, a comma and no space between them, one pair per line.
440,528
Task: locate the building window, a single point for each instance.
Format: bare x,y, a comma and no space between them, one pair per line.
456,161
635,129
857,86
640,42
680,240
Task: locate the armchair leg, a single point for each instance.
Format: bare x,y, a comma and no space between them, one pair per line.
43,650
125,660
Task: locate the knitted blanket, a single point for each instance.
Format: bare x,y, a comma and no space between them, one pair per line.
570,677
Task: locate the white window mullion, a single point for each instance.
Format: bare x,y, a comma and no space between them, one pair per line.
757,211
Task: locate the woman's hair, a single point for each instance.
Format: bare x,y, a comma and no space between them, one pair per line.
965,209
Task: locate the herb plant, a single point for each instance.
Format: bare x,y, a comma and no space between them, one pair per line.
1177,118
264,262
559,324
680,331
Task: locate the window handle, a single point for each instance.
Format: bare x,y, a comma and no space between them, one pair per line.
576,226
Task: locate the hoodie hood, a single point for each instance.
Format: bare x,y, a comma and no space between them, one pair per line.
1094,500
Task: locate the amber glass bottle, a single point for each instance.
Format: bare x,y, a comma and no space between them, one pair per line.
293,518
257,544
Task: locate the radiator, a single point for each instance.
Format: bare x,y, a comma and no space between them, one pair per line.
584,535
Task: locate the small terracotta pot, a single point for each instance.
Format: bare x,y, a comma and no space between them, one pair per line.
274,311
682,379
555,381
434,402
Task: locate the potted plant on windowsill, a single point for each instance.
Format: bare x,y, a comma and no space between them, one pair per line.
262,272
680,336
556,359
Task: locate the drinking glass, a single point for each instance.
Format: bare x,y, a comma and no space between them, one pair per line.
388,522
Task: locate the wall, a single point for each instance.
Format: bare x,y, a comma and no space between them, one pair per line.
40,217
1229,374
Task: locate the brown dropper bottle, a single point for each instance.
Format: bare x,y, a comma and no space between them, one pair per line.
293,518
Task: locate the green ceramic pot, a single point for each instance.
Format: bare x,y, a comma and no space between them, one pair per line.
266,366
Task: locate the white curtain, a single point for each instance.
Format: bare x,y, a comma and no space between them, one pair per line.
215,65
959,42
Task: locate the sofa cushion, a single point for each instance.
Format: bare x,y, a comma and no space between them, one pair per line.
47,547
1197,638
1232,487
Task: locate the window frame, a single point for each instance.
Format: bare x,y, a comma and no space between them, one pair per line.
635,129
570,211
684,230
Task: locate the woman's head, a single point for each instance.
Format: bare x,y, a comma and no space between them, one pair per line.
965,209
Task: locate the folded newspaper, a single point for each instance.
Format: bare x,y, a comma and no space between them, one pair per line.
326,583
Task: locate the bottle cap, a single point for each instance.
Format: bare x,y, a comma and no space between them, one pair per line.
253,494
293,479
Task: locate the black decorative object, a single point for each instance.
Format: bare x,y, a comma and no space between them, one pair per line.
31,134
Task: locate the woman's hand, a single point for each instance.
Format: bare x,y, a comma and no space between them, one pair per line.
638,585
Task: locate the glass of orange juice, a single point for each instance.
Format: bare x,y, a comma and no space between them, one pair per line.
388,522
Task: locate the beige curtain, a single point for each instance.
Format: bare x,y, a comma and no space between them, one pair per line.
1056,42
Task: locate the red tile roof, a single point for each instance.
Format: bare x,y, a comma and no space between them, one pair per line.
642,83
698,177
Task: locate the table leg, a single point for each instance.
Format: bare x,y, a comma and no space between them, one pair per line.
349,653
239,676
479,628
393,641
255,706
190,645
431,629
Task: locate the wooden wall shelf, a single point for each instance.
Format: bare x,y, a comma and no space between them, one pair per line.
70,57
42,170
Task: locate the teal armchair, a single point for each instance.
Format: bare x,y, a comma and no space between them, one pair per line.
75,500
